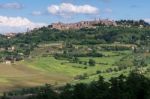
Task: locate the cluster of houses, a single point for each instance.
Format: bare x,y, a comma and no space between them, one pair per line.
82,24
10,35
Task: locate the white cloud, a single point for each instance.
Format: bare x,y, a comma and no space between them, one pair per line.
147,20
17,24
68,8
13,5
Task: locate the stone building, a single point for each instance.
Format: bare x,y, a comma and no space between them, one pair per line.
82,24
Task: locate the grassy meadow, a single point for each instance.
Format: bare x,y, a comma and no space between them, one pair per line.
40,70
43,67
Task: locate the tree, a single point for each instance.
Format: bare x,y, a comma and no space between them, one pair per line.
67,92
75,59
92,62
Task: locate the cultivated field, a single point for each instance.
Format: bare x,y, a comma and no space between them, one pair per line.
40,70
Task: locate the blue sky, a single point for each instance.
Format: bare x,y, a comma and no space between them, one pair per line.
33,13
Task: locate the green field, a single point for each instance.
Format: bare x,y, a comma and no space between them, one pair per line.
40,70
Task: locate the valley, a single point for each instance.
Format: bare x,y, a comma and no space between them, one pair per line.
44,67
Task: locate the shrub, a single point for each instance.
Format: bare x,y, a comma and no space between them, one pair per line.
92,62
81,77
98,72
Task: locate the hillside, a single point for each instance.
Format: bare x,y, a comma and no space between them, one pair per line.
58,57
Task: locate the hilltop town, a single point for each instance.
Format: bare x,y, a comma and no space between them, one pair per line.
89,24
82,24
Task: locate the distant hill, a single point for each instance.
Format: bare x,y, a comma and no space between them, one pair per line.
48,55
18,46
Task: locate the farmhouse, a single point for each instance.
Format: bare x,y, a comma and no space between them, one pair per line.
8,62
